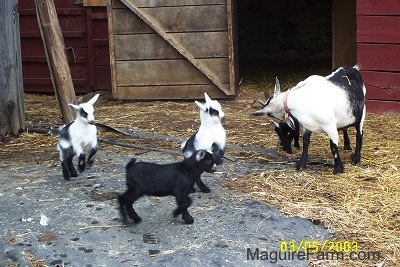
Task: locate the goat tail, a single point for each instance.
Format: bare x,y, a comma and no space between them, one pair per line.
130,163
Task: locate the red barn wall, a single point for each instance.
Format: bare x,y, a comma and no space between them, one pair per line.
86,40
378,52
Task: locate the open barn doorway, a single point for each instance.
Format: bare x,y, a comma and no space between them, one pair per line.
292,40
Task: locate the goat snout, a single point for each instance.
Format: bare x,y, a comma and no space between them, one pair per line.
259,113
92,122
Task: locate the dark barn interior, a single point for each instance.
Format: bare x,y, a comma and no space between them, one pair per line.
283,38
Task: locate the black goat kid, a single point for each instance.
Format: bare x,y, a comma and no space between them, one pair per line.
176,179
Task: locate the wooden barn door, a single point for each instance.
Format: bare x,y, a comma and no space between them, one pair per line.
172,49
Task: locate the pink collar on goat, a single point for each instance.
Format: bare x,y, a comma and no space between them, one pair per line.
285,106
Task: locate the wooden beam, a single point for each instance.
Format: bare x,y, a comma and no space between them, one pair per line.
232,46
56,57
111,46
181,49
94,2
343,33
12,112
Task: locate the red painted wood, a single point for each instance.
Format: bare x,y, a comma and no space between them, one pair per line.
384,57
103,77
73,21
378,29
378,106
382,85
28,4
378,7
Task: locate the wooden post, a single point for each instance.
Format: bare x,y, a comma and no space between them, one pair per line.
12,112
56,57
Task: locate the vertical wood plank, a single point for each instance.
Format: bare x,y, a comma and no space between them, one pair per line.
89,29
112,48
56,57
343,33
12,112
232,46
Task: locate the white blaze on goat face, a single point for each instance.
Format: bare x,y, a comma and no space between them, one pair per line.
211,111
211,130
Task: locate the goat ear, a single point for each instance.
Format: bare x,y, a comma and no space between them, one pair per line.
290,123
94,99
277,89
206,97
274,123
200,106
75,107
200,155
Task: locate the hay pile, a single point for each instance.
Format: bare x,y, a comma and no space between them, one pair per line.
363,204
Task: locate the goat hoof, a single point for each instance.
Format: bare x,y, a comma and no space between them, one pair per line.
176,212
300,167
338,170
205,190
355,160
188,219
67,177
137,220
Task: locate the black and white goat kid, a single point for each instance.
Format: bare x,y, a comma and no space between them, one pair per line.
76,136
175,179
327,104
289,130
211,135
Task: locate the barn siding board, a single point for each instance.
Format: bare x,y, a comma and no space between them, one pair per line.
167,72
382,85
163,3
181,49
196,18
374,29
169,92
379,56
379,106
199,44
378,7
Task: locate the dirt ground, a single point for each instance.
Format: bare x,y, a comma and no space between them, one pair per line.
84,228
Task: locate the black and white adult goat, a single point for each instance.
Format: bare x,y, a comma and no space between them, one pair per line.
176,179
75,136
211,135
327,104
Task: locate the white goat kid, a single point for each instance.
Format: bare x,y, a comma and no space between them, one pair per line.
77,135
211,135
327,104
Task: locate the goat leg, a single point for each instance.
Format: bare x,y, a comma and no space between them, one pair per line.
81,162
202,186
90,158
302,163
